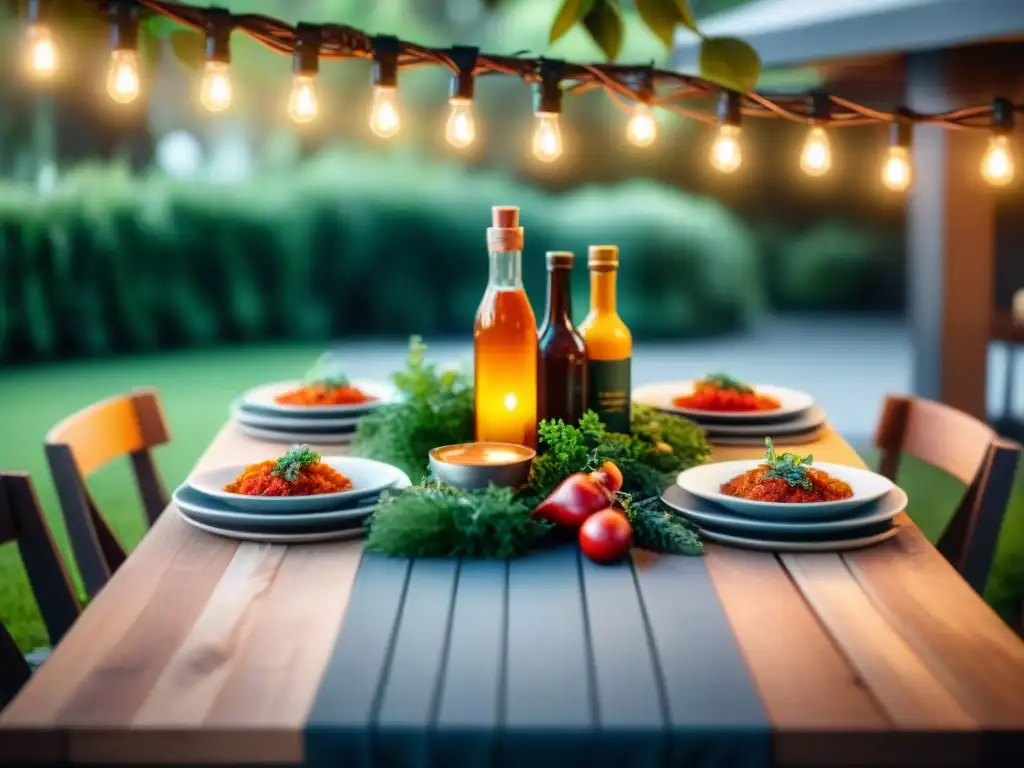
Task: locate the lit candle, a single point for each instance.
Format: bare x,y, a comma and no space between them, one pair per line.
477,465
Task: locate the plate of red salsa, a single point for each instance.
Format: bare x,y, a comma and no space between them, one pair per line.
723,397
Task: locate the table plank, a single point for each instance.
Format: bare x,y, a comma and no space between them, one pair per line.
715,713
471,706
630,699
411,689
339,728
548,673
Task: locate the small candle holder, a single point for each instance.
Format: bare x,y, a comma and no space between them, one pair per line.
476,465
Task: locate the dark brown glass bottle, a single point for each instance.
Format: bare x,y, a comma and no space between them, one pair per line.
562,355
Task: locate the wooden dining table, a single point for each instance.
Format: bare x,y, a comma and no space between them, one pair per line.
204,650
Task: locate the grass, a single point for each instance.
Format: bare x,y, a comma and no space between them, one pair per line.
196,388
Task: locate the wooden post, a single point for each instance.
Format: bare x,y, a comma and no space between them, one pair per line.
950,236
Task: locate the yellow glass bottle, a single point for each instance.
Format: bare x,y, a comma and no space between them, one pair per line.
609,343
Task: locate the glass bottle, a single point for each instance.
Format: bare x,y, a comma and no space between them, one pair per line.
505,341
562,355
609,343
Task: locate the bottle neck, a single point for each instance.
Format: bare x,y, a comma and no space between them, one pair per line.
559,309
506,269
602,292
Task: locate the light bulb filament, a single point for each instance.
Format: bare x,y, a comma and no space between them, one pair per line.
642,129
460,129
547,138
123,76
726,154
303,104
384,118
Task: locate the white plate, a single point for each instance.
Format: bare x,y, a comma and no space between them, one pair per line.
768,545
262,420
290,437
801,438
804,422
368,478
706,480
660,396
210,512
276,538
704,513
262,399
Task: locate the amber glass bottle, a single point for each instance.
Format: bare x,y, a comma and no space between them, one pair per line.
505,341
609,343
562,355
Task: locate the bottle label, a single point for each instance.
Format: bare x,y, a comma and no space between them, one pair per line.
610,392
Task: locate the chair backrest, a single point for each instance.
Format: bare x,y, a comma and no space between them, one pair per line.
970,451
22,521
126,425
14,670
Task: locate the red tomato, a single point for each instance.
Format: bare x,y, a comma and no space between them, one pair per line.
605,536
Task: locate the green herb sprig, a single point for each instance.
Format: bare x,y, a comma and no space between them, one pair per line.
323,375
658,530
724,381
788,466
290,465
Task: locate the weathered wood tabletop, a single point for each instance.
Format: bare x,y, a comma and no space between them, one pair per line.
203,650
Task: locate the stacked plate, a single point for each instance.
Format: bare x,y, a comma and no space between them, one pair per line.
798,419
203,503
864,519
259,415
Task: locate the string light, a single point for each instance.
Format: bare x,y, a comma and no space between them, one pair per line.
123,80
385,119
897,173
816,155
997,166
642,128
726,153
215,88
547,108
40,56
303,103
460,128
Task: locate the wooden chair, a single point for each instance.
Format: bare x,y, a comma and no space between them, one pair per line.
22,520
78,446
970,451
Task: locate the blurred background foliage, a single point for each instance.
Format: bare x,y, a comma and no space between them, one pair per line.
159,225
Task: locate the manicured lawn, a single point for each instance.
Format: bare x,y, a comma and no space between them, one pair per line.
196,388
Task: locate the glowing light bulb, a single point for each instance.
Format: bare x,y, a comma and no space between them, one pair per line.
642,129
547,138
123,83
384,118
726,155
460,129
303,104
997,165
816,157
510,401
40,52
897,173
215,89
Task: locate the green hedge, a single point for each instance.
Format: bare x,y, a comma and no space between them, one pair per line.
344,246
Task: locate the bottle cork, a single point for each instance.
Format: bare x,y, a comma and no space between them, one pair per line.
560,259
603,256
505,234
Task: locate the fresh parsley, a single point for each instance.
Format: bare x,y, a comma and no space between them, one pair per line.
324,374
788,466
724,381
290,465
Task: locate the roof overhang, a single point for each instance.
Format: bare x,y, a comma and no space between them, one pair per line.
794,32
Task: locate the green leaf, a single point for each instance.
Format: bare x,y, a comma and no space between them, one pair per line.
189,47
729,62
567,17
604,23
663,16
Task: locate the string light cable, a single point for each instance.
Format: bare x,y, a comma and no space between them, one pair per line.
646,88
